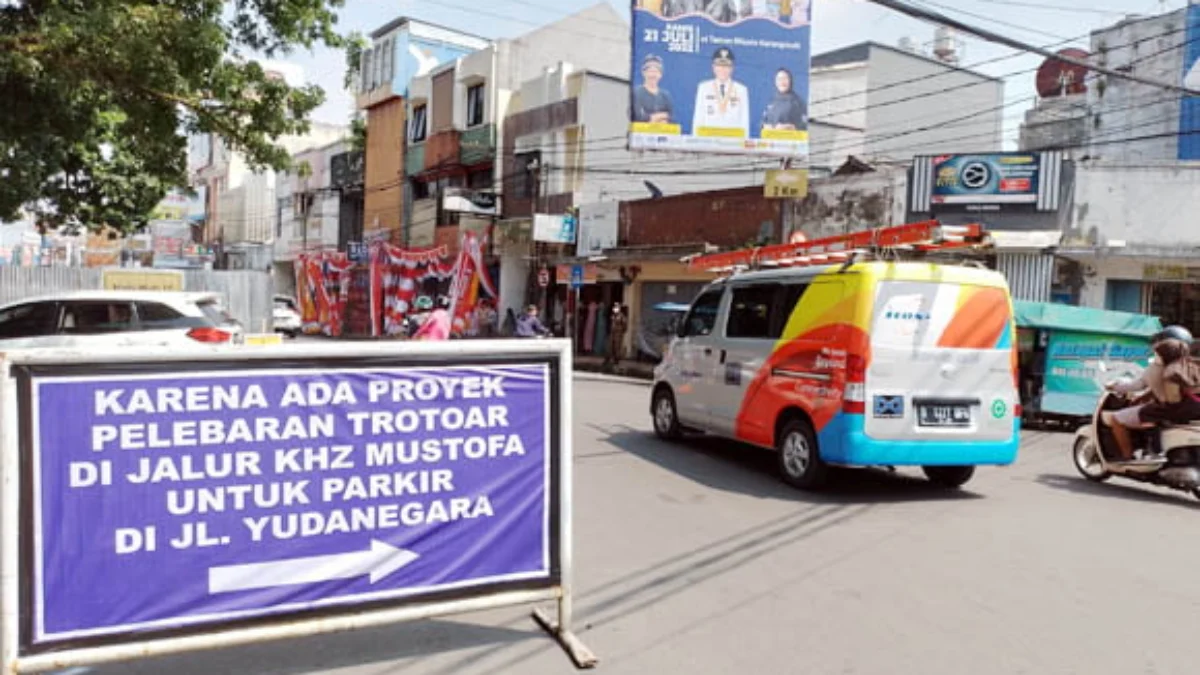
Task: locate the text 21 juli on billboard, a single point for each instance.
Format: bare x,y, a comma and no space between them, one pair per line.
721,76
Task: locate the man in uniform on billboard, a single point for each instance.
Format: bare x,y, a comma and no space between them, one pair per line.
722,102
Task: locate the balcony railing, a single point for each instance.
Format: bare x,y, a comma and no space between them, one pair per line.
414,161
478,144
441,150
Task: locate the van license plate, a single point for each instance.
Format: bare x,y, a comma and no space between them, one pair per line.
944,415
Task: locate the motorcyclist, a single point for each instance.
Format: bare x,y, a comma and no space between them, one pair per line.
437,324
529,325
424,306
1173,381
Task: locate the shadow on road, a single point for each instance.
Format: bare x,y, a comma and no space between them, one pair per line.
1116,488
726,465
339,650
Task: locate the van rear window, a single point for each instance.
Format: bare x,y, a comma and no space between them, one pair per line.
926,314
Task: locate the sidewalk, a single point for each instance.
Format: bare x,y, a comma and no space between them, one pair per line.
634,369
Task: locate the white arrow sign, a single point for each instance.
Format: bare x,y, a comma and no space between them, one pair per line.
379,561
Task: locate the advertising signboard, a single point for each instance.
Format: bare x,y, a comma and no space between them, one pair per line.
721,76
554,228
1189,117
141,280
598,224
1074,380
207,500
985,179
786,184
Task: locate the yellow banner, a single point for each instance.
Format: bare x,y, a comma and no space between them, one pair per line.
721,132
786,184
784,135
141,280
659,128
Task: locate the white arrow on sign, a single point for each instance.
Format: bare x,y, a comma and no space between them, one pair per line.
381,560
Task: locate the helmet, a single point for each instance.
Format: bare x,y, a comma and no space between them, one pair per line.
424,302
443,302
1173,333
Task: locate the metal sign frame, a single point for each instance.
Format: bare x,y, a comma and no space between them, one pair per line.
18,372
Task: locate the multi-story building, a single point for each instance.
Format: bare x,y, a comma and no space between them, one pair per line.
457,114
1137,122
890,103
308,209
402,49
241,211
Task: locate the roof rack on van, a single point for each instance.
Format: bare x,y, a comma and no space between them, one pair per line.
925,236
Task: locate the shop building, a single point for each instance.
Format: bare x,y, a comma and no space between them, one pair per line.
401,50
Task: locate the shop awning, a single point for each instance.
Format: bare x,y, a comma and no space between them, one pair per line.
1033,240
1123,250
1051,316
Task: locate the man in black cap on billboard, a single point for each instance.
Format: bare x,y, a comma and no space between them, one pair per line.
722,102
650,103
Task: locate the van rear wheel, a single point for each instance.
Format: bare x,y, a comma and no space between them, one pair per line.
950,477
800,462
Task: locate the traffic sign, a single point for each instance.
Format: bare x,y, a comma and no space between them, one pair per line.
576,276
169,501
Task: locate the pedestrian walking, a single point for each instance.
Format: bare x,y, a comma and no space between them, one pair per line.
616,334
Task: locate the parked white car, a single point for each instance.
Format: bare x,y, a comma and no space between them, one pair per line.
285,317
118,319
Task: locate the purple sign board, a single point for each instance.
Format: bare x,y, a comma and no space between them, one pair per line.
163,501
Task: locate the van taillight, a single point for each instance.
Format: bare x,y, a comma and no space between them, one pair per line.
854,398
211,335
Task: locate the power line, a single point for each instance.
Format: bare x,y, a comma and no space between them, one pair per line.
1056,8
935,17
998,22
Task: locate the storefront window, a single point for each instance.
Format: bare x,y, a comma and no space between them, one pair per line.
1176,304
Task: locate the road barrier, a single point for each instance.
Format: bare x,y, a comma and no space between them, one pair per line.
157,505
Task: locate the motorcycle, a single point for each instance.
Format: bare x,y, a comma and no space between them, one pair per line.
1175,458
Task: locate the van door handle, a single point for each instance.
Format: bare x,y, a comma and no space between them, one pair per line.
722,356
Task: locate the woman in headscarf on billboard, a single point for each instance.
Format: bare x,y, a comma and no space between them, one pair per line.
786,111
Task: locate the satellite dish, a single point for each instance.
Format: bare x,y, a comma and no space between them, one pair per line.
1059,78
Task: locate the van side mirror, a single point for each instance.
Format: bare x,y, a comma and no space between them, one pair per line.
681,329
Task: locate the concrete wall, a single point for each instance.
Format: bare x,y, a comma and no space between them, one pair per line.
842,204
838,95
596,39
1151,48
932,104
384,170
1142,205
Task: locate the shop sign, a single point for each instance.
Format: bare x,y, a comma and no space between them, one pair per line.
576,275
1158,272
1074,378
786,184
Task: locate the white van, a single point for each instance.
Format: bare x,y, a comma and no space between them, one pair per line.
867,364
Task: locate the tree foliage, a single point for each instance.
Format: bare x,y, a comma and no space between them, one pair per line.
99,95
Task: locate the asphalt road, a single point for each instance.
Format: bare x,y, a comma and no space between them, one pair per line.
694,558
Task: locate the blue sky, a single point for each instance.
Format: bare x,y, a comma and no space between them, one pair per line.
836,23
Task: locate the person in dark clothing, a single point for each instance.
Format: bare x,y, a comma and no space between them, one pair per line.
651,104
786,111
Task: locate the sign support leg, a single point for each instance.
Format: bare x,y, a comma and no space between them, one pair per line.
560,630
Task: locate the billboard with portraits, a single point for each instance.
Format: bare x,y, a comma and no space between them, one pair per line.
721,76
